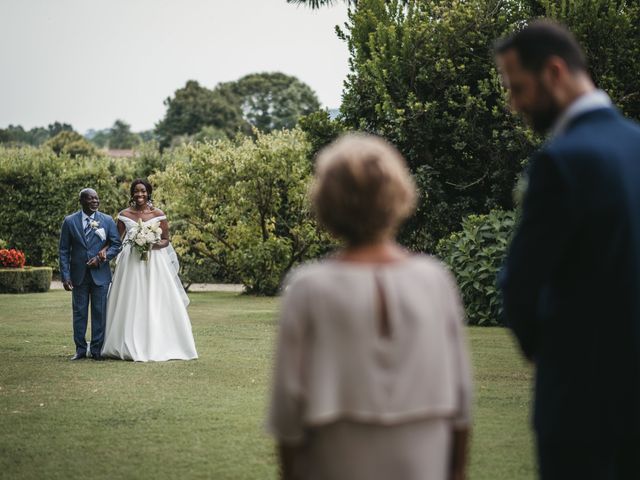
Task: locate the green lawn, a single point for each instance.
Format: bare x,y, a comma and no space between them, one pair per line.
199,419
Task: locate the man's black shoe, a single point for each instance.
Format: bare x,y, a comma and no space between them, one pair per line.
79,356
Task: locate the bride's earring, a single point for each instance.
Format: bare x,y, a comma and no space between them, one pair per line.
132,202
150,204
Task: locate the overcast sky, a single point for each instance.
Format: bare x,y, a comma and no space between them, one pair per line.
90,62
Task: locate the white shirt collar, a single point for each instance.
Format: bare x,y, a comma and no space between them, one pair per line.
85,216
593,100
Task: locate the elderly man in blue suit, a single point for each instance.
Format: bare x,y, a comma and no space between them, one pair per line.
571,282
85,272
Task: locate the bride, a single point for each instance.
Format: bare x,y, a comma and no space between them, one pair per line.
147,316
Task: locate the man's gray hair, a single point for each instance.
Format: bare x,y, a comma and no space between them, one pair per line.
86,191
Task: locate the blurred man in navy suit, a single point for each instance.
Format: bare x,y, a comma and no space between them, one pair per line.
571,281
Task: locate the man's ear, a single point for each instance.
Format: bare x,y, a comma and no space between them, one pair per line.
555,71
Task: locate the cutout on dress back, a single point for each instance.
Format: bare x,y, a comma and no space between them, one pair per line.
384,325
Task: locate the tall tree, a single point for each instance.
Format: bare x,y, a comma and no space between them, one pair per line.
266,101
422,76
16,135
56,127
121,136
194,107
99,137
272,101
609,32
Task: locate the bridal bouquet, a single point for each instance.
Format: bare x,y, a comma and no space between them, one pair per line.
143,236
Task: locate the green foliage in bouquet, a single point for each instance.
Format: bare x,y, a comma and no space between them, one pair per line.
475,255
243,204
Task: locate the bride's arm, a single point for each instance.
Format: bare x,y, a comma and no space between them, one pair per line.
164,240
121,229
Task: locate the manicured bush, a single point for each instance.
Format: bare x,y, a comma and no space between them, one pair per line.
11,258
244,206
25,280
475,255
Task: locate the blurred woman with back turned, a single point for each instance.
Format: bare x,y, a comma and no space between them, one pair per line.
372,377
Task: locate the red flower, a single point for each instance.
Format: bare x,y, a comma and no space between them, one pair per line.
11,258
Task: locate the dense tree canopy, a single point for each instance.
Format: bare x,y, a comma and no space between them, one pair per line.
121,136
16,135
194,107
610,35
423,76
265,101
272,101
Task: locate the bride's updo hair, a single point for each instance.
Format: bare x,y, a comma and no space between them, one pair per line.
362,189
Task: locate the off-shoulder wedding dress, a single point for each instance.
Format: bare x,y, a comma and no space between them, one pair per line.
147,317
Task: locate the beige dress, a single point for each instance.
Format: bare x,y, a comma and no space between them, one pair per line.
363,405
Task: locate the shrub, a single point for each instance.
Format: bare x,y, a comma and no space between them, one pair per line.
475,254
24,280
11,258
197,269
321,130
243,205
71,143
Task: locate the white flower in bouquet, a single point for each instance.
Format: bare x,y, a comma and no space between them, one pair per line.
151,237
142,237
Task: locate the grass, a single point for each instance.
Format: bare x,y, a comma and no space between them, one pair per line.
199,419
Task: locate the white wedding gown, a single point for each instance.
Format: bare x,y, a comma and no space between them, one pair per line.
147,316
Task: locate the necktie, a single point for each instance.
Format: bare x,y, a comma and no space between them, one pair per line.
87,229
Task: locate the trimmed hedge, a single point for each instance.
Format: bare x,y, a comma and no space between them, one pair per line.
25,280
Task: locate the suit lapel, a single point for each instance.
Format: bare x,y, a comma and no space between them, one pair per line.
80,228
93,236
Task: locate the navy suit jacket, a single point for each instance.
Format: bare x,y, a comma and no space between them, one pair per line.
76,250
571,282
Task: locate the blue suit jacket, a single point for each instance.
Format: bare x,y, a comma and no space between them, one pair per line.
571,282
75,250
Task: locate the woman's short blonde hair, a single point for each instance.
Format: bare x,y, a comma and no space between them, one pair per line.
362,190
